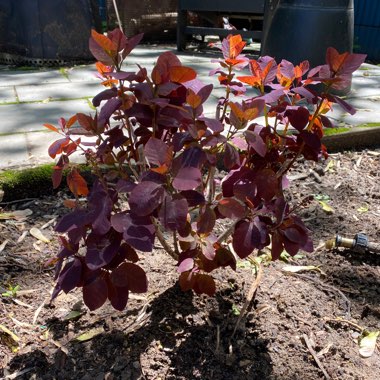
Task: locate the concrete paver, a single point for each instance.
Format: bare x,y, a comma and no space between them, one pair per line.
48,94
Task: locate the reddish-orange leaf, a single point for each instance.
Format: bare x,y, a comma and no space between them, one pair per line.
233,61
51,127
104,42
161,169
110,82
181,74
102,68
236,45
251,80
239,113
71,121
69,203
335,59
156,75
193,100
77,183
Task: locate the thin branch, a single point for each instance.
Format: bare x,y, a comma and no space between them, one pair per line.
314,355
162,240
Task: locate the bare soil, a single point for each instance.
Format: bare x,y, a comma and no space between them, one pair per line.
168,334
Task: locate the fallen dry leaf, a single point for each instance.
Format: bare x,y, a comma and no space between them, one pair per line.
35,232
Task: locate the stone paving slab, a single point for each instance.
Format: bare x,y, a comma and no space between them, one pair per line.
13,150
18,77
28,117
57,91
7,95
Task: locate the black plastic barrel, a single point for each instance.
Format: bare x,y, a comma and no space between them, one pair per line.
296,30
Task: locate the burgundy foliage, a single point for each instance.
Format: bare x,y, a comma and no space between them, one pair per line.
155,152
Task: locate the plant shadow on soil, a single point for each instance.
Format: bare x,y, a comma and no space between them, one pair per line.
188,351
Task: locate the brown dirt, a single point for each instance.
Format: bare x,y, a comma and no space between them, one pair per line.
168,334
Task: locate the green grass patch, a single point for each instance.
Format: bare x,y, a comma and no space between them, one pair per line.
34,182
368,125
26,183
334,131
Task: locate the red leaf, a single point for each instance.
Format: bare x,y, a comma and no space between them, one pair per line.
56,177
231,208
204,284
181,74
77,183
71,121
104,42
56,147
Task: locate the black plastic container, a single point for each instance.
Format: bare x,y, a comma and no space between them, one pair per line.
296,30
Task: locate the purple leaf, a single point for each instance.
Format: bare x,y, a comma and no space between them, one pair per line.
231,178
133,274
100,205
298,117
117,296
108,109
145,198
104,95
100,253
186,265
206,220
215,125
187,178
231,157
157,152
194,198
124,186
137,231
70,276
131,43
256,142
347,107
267,184
75,219
245,238
173,213
95,292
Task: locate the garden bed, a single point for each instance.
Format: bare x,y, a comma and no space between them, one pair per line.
299,326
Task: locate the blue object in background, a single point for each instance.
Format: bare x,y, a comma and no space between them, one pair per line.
103,13
367,28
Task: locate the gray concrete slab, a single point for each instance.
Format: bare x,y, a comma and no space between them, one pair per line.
28,117
58,91
7,95
13,150
18,77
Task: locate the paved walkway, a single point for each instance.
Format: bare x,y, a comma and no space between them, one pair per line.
30,98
